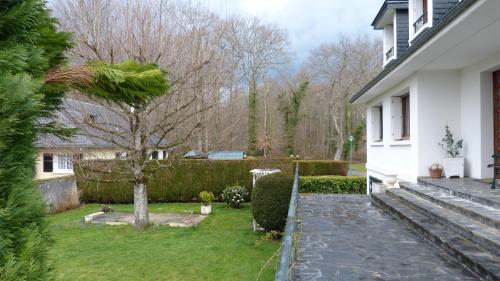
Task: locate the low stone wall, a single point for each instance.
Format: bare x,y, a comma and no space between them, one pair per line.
60,193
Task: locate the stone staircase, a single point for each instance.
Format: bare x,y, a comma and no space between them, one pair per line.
455,222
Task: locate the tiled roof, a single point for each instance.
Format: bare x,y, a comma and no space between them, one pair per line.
73,114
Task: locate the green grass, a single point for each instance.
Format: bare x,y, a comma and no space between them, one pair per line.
222,247
360,167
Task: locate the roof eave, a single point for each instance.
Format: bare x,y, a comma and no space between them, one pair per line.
420,41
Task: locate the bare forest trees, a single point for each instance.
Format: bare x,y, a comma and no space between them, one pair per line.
230,78
337,71
258,49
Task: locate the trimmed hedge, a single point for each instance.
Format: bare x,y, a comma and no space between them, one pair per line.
333,185
181,180
322,167
270,201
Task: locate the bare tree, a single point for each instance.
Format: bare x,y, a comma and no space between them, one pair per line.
258,49
183,41
340,69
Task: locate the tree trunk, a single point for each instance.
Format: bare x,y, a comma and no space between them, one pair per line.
252,117
340,139
141,212
138,158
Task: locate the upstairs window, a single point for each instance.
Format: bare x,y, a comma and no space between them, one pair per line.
421,17
400,117
377,124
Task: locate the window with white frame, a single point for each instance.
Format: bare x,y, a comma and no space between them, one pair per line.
420,14
64,162
400,117
377,124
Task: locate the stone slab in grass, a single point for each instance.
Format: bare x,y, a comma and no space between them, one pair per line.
169,219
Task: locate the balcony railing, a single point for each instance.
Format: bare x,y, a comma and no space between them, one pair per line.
389,54
421,21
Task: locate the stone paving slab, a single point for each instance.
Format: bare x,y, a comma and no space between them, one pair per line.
345,237
170,219
468,188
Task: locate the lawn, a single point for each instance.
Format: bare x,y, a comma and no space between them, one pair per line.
222,247
360,167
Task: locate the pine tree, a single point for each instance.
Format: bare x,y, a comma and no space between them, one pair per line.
29,47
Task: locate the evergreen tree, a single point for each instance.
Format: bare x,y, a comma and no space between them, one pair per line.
29,47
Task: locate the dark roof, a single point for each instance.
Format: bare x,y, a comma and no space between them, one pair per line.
78,114
389,5
418,42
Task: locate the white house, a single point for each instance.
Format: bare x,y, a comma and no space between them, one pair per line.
56,156
441,66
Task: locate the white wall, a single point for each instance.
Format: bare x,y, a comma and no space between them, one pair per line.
392,157
438,106
462,99
88,154
476,91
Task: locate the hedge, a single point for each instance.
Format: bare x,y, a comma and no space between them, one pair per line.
271,199
333,185
322,167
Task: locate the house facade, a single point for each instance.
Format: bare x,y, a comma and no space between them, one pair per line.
56,156
441,67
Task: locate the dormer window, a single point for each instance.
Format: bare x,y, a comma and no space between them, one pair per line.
393,20
421,15
389,43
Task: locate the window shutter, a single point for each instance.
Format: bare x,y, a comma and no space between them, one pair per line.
396,118
48,162
375,128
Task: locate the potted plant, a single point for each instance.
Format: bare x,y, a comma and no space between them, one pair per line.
436,170
453,164
206,198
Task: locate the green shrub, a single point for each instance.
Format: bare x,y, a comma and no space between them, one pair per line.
270,201
206,197
181,180
176,180
234,196
333,184
322,167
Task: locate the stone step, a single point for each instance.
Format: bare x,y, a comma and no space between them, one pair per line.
482,213
463,190
474,258
484,236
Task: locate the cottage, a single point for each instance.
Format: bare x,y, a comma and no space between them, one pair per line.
441,67
56,156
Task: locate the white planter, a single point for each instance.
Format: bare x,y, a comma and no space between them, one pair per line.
205,210
378,187
453,167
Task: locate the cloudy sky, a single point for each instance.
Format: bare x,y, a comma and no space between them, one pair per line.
308,22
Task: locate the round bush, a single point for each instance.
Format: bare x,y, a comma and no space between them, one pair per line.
270,200
234,195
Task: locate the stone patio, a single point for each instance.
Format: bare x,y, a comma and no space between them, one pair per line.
467,188
345,237
169,219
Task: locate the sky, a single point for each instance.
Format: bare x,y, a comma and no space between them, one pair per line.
309,22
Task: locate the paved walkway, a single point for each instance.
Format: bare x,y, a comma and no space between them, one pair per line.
345,237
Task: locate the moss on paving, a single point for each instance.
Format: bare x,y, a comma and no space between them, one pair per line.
222,247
